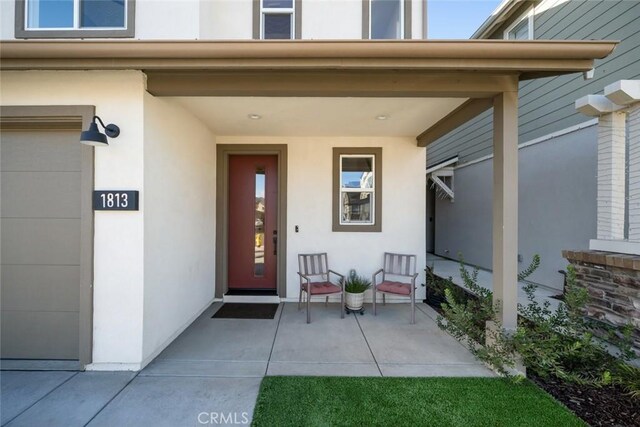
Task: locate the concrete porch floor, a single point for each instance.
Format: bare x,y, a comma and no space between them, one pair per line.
216,366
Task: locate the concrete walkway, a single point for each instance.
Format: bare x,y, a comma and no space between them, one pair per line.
214,368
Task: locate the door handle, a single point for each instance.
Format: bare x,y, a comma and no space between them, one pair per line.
275,242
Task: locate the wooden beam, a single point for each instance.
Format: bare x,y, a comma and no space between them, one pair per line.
329,83
505,208
457,117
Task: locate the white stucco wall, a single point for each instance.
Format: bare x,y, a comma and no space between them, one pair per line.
332,19
179,227
118,241
309,195
226,19
7,19
162,19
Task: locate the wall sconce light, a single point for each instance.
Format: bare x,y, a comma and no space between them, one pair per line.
94,137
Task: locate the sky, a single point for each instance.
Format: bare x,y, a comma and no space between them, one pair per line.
457,19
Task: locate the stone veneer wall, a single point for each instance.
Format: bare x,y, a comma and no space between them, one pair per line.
613,282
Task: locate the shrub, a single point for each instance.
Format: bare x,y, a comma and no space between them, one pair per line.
355,284
553,343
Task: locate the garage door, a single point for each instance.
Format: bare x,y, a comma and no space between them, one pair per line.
40,176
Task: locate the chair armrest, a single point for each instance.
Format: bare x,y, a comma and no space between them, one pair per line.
304,277
373,279
337,274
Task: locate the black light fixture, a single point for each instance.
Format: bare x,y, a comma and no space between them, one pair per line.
94,137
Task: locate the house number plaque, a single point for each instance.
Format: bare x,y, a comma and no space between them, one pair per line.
114,200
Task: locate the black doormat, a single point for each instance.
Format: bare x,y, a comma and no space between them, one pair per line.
246,311
252,292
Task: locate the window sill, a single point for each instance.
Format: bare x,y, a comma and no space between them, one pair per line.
73,34
375,228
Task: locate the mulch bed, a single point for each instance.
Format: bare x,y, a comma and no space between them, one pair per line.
604,406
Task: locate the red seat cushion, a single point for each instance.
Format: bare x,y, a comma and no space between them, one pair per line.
322,288
395,288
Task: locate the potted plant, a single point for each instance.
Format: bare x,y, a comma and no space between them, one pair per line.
354,287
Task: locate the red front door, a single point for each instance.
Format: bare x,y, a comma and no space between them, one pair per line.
253,201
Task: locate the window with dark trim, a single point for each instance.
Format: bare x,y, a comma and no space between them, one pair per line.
277,19
74,18
357,189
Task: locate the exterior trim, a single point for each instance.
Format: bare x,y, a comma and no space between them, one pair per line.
408,24
526,59
329,83
451,121
336,226
297,17
366,11
69,117
256,19
21,32
222,217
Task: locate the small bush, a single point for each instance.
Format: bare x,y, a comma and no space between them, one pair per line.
553,343
355,284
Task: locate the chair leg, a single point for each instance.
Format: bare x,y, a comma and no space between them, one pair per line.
413,306
384,299
374,300
308,305
342,305
326,302
300,299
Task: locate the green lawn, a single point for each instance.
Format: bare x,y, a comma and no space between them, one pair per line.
340,401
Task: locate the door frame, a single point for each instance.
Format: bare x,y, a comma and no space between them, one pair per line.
71,118
222,214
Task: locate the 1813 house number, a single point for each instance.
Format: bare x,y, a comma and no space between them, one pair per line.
112,200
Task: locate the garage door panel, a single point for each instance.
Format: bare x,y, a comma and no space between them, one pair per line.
41,151
40,194
40,288
41,173
40,241
39,335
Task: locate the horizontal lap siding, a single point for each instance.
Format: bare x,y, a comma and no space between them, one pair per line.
547,105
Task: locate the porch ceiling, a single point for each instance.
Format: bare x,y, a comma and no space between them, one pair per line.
310,116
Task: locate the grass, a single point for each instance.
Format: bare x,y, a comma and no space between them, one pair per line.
340,401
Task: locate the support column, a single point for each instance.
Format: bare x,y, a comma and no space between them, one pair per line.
505,206
611,176
634,173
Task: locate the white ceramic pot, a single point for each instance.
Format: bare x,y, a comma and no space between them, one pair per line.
354,301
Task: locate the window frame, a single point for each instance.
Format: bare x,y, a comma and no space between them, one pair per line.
278,11
527,15
22,31
376,215
405,18
296,27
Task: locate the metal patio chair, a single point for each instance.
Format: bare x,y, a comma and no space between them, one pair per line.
315,280
398,278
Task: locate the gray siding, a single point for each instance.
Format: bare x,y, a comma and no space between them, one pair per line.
557,210
547,105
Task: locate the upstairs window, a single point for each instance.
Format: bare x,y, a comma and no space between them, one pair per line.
522,28
386,19
74,18
277,21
